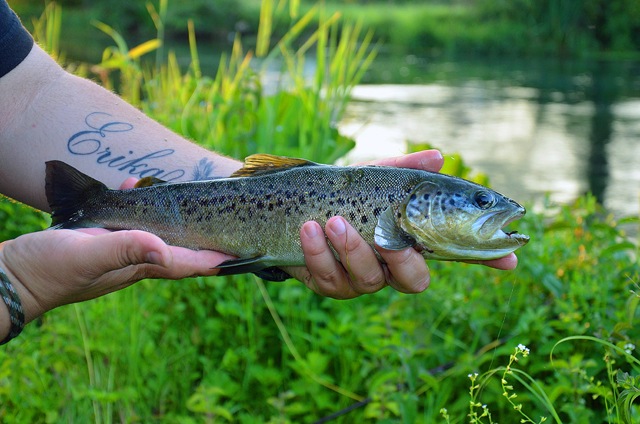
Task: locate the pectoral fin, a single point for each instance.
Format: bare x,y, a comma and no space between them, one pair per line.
259,266
389,235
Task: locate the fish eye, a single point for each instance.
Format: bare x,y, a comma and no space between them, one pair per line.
484,199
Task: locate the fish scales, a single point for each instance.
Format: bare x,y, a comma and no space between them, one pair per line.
211,214
256,214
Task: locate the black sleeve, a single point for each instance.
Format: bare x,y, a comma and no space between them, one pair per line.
15,40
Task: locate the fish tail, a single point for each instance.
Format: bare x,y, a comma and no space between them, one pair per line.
67,191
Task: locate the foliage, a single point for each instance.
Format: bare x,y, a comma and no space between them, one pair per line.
236,349
464,27
571,26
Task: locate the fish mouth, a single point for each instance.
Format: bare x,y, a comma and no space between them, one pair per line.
522,239
493,226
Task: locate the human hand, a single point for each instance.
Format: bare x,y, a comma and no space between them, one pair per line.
404,270
58,267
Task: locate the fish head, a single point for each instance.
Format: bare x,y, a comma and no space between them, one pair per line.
455,219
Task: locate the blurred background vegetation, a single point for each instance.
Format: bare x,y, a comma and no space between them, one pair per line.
436,27
236,350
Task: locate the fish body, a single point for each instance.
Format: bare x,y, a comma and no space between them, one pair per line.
256,214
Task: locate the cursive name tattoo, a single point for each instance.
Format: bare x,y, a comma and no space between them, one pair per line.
99,141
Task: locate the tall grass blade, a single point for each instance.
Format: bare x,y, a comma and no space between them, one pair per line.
264,28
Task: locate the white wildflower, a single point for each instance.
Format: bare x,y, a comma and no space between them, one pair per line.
629,348
523,349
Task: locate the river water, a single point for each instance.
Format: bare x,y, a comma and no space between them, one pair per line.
536,128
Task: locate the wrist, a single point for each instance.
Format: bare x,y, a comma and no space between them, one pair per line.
5,321
17,306
14,310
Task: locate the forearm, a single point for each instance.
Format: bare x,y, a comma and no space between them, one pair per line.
48,114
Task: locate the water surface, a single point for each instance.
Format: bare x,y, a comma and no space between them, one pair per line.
535,128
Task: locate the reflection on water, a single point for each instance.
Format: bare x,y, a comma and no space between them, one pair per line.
562,132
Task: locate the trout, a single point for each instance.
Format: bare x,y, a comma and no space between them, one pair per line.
256,214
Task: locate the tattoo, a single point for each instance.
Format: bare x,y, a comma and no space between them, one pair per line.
98,140
203,170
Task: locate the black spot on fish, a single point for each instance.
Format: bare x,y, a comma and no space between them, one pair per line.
260,204
413,197
426,196
364,219
438,193
452,202
376,211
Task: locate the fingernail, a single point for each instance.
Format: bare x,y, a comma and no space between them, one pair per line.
311,230
339,227
155,258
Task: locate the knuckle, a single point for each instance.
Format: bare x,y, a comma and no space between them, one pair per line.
370,282
334,284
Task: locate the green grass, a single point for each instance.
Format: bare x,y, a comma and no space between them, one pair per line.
236,349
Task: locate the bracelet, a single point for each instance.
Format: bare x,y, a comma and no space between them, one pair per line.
11,299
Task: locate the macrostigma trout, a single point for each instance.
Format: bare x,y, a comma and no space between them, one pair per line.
256,214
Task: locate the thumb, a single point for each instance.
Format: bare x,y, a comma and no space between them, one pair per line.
120,249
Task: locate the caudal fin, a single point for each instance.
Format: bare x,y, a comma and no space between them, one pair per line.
68,190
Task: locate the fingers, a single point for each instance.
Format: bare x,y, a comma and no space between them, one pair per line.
506,263
121,249
408,270
324,275
189,263
428,160
128,183
359,270
364,272
116,250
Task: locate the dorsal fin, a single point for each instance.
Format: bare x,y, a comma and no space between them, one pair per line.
148,182
265,163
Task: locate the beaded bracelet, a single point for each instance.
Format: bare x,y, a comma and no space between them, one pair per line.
11,299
